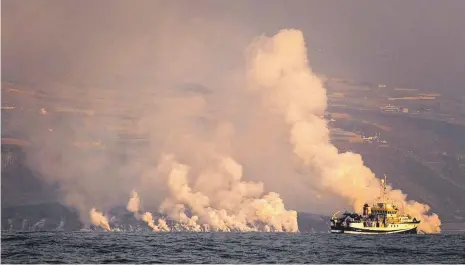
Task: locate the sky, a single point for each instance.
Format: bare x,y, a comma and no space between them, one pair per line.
404,43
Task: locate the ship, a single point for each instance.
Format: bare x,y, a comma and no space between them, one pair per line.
383,217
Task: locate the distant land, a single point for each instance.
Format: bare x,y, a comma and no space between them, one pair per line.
415,137
56,217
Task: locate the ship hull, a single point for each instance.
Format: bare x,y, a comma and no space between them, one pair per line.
350,230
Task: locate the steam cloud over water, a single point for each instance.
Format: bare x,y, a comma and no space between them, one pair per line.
279,70
220,155
134,207
98,219
233,205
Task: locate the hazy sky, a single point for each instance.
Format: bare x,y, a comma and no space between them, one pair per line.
409,43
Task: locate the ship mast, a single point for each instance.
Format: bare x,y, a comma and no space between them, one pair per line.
383,189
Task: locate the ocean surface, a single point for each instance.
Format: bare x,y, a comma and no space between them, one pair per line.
131,247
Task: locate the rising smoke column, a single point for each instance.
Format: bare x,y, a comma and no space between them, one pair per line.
134,204
236,205
204,185
279,70
98,219
134,207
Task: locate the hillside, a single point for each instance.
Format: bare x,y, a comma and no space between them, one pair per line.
56,217
422,150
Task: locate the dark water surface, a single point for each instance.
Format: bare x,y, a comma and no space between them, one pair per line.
126,247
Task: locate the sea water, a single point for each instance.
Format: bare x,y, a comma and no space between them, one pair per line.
148,247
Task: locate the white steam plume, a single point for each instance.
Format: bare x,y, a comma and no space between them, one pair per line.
134,204
279,70
134,207
232,204
161,226
98,219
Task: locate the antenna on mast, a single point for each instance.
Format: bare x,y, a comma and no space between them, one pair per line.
383,187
